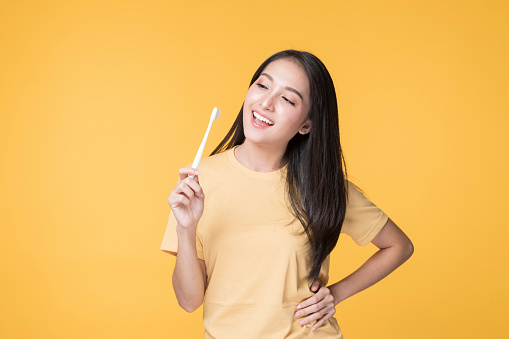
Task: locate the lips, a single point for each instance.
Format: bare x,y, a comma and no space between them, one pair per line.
260,121
262,118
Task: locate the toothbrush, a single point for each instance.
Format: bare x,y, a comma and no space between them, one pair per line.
214,116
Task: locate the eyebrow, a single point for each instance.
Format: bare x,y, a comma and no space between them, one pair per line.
287,87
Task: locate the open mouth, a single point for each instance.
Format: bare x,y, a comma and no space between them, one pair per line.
261,120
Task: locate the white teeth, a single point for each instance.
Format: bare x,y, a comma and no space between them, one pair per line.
259,117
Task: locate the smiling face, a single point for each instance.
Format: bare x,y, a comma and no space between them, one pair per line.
277,104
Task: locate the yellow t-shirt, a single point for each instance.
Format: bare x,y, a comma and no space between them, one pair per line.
256,262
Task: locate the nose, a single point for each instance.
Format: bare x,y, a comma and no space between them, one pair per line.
267,102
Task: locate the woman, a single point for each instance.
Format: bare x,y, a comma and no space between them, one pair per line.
277,200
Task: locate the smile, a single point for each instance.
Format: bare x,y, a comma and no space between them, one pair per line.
262,119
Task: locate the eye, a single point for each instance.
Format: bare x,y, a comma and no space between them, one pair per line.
261,86
288,101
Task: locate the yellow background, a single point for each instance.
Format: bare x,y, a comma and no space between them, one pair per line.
102,101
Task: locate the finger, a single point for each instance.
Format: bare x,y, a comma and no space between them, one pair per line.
178,200
183,189
195,186
315,285
322,304
322,320
184,172
323,292
196,179
310,318
311,300
327,299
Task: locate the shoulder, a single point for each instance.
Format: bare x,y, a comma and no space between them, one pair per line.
358,203
214,161
356,198
214,170
352,191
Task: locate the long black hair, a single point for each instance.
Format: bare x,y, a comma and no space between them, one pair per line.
315,177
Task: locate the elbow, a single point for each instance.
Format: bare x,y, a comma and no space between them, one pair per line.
408,250
190,307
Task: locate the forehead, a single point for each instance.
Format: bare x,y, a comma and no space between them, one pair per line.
288,73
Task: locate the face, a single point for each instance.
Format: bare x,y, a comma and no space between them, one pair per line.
277,105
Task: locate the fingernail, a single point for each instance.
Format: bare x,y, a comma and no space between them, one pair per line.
299,306
297,315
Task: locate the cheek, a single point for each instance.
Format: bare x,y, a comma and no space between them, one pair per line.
294,120
245,112
253,95
246,115
249,94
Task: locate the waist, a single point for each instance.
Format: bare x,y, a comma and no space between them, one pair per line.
261,320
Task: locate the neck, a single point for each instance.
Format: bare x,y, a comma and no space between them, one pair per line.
259,158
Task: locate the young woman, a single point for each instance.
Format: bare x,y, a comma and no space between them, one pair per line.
277,198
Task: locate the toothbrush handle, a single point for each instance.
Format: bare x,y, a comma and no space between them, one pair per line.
199,154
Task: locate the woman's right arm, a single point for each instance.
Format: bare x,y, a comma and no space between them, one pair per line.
189,275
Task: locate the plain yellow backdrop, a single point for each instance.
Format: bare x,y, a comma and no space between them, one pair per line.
102,101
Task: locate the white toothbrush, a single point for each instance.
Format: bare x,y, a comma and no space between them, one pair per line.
214,116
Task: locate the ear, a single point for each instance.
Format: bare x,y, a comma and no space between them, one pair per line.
306,127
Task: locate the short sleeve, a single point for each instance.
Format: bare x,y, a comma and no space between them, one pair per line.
363,219
170,238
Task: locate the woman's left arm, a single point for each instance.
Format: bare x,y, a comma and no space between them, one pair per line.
394,249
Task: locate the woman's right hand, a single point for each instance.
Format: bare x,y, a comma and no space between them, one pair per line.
186,200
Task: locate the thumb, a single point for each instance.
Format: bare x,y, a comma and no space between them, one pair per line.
315,285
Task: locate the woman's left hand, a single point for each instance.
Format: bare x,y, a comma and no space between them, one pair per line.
319,307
